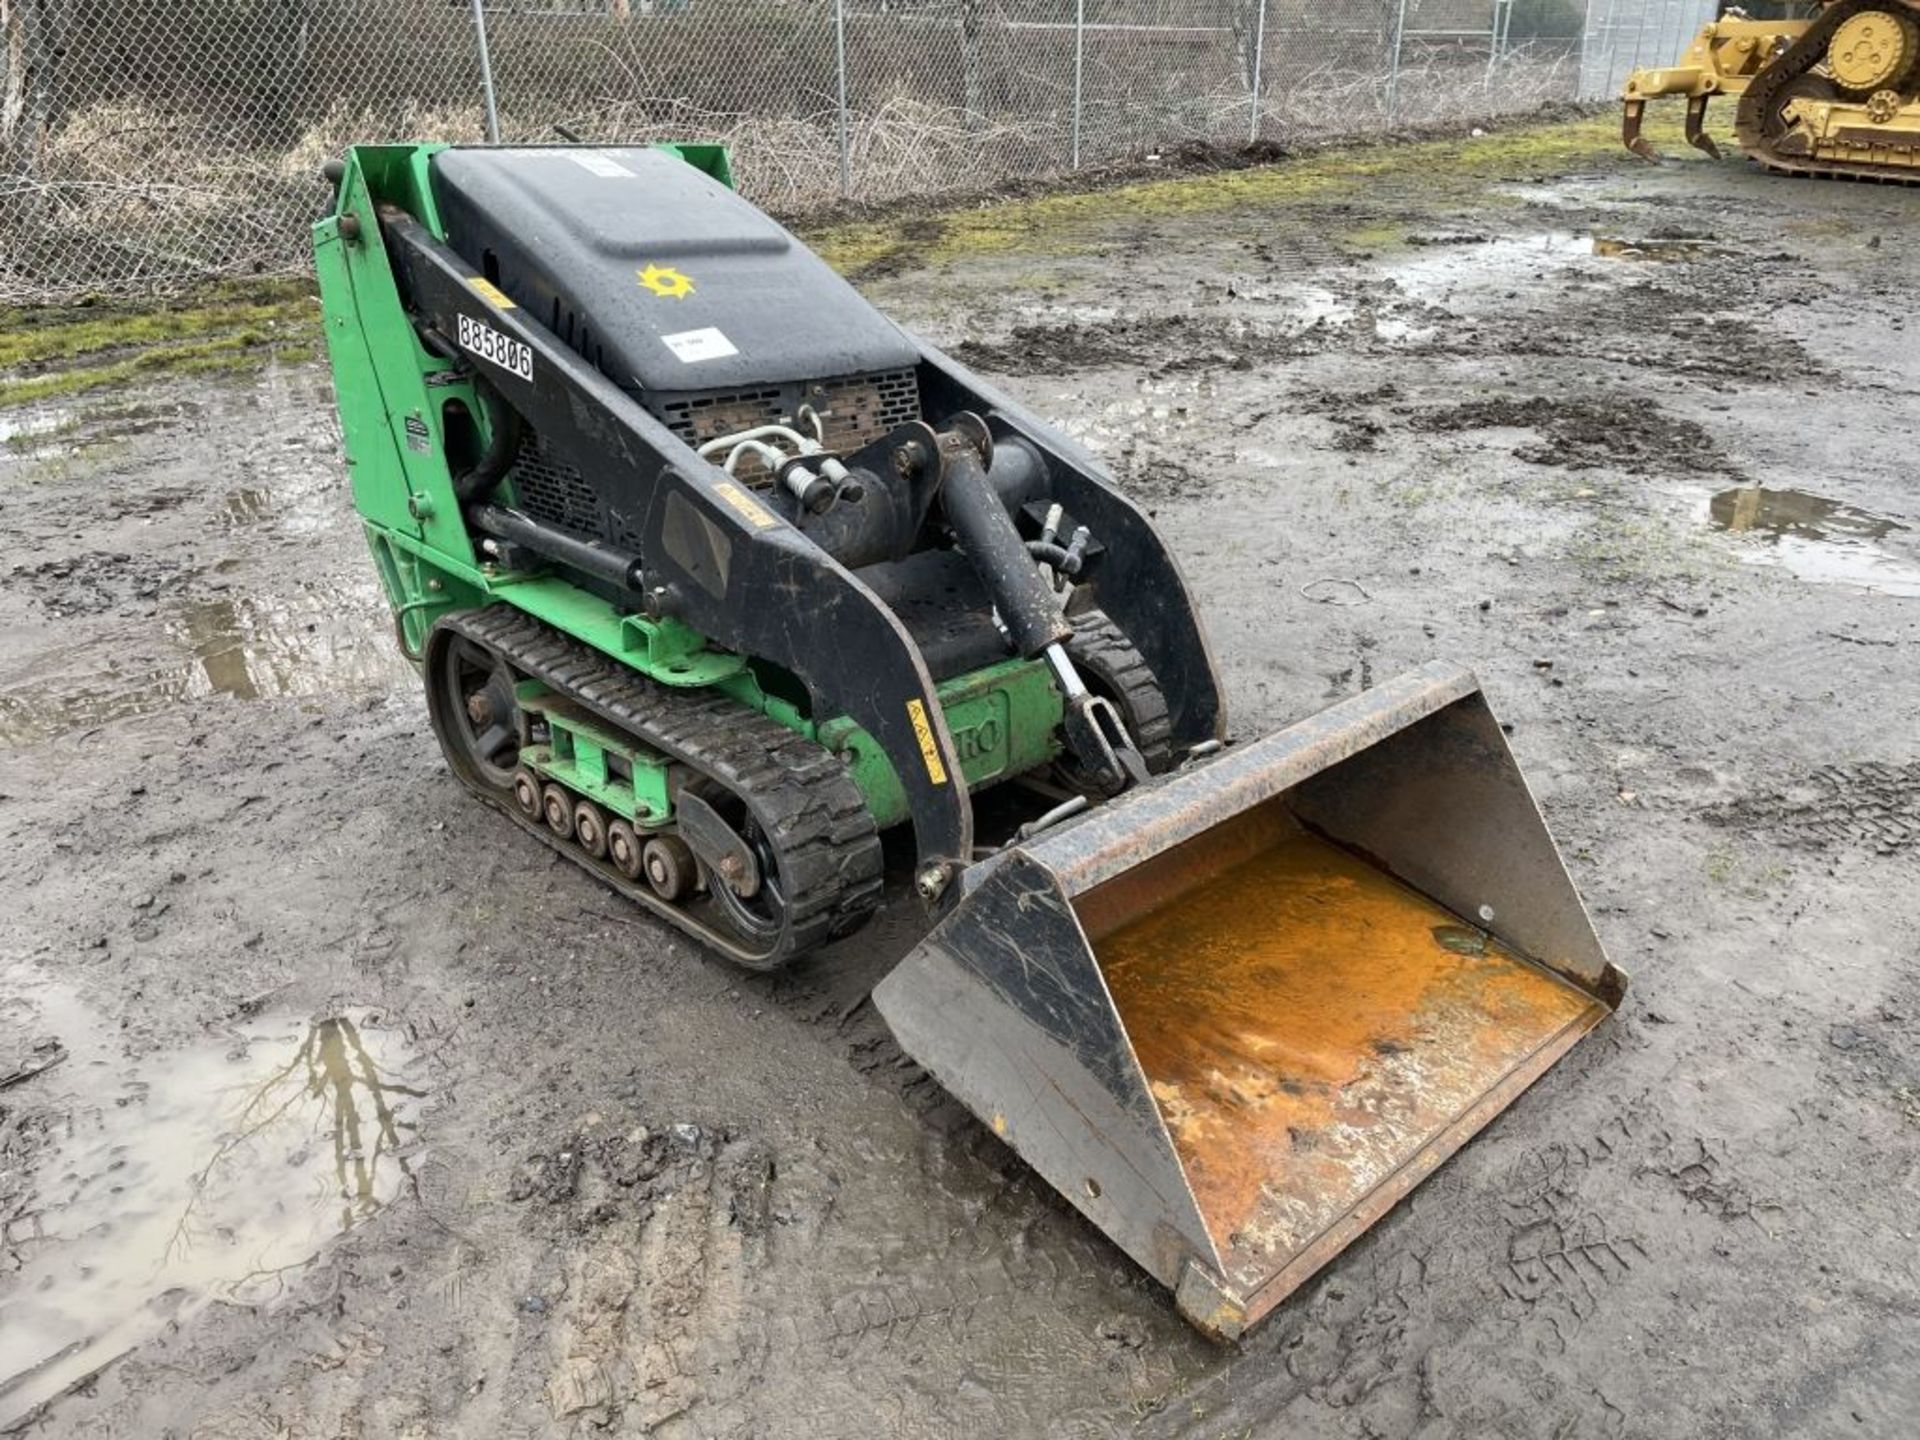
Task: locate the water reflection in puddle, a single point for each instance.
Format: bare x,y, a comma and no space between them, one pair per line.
1319,306
1815,538
42,432
22,429
248,647
211,1173
1501,260
1504,259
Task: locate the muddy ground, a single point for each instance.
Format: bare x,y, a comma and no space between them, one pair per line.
332,1106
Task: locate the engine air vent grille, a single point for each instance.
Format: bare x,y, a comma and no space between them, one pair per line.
856,409
554,492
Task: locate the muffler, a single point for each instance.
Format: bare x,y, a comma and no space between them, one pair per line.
1236,1015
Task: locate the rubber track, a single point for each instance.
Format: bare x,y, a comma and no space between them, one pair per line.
1102,648
806,802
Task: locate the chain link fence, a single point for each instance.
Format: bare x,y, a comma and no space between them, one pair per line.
149,145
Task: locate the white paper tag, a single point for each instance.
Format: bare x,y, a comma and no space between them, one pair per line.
604,166
693,346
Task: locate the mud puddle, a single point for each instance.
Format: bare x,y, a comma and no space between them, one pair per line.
1499,260
210,1173
26,430
1613,247
1448,263
1815,538
288,495
49,432
246,647
1321,307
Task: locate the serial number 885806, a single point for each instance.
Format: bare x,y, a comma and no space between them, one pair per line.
496,349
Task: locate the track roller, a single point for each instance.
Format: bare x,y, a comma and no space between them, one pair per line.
670,867
590,828
556,807
623,848
526,793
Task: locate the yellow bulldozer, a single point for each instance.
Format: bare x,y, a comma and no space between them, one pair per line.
1834,93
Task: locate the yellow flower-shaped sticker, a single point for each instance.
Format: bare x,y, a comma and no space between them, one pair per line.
667,281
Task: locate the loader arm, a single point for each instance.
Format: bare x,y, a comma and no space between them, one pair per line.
718,559
1142,588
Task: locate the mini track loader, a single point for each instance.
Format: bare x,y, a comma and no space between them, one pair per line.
713,574
1837,94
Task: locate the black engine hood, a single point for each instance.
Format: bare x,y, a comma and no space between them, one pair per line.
656,273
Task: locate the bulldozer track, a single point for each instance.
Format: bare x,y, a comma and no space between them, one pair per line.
1764,95
806,803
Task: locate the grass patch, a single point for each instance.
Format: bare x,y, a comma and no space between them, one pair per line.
52,351
1056,223
244,351
1374,237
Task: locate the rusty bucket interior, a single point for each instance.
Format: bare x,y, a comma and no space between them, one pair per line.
1236,1017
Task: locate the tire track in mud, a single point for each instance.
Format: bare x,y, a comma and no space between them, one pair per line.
1466,1309
651,1320
686,1303
1868,806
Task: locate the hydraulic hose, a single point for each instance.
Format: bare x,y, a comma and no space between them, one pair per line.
503,444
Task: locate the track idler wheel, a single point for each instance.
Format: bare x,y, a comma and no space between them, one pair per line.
470,699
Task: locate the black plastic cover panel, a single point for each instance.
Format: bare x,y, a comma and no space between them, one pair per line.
655,272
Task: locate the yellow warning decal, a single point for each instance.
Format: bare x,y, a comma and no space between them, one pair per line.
750,509
666,281
929,747
491,293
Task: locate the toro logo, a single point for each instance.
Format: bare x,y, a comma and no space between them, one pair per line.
974,742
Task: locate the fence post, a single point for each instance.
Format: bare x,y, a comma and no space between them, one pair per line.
1393,65
1253,100
1079,65
486,73
840,70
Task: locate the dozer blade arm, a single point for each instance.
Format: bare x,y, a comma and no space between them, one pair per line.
1236,1015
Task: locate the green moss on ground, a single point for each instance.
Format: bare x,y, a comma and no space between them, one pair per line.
1061,223
52,351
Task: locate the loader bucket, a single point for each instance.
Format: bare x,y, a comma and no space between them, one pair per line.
1235,1016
